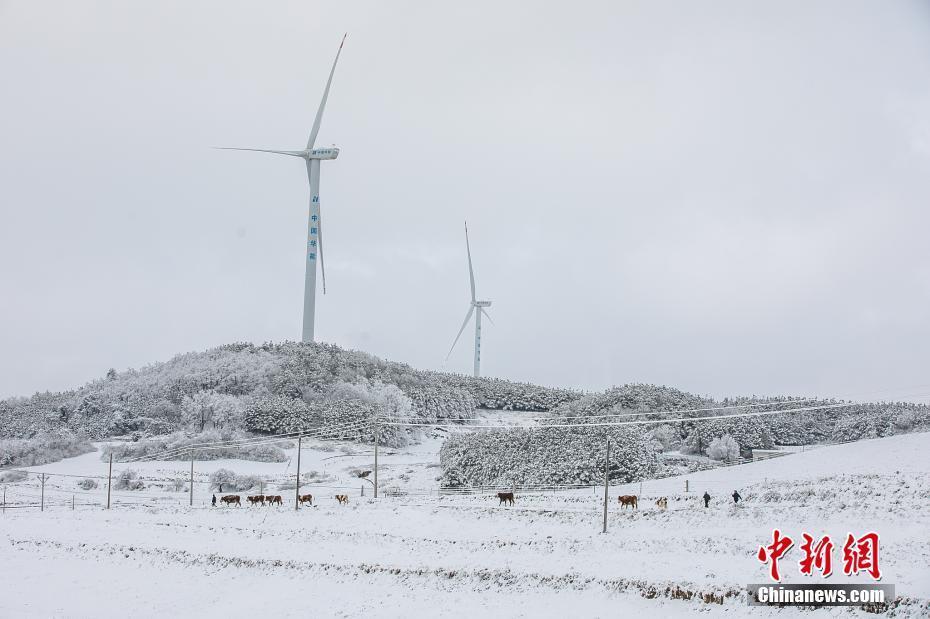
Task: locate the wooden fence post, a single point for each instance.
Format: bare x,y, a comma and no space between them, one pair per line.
109,480
606,478
192,479
300,439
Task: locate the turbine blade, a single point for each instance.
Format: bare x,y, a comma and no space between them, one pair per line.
471,273
319,112
487,315
464,324
292,153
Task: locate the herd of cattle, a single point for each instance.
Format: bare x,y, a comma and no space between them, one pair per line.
626,500
273,499
506,498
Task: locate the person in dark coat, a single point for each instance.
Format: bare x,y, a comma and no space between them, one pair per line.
706,499
214,500
736,496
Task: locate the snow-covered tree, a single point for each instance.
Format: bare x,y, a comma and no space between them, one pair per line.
222,477
723,448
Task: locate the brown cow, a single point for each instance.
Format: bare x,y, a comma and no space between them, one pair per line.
343,499
505,497
306,498
229,499
628,499
274,500
258,498
662,503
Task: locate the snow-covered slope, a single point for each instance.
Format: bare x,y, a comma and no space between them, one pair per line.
426,555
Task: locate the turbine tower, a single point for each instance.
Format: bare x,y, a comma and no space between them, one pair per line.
475,304
312,157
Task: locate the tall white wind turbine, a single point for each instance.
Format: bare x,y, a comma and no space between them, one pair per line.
312,157
475,304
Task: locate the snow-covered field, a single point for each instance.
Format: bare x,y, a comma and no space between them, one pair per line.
429,555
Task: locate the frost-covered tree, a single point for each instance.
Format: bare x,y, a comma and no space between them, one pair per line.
723,448
280,414
667,436
696,442
222,477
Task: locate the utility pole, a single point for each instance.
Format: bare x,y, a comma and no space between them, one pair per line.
192,479
4,499
72,502
377,438
42,508
300,438
606,478
109,480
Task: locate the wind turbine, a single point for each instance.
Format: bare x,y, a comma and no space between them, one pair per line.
475,304
312,157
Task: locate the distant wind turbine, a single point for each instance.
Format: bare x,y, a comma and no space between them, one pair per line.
312,157
480,305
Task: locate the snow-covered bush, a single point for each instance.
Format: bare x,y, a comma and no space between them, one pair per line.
317,477
10,477
723,448
87,484
199,446
247,482
44,448
128,479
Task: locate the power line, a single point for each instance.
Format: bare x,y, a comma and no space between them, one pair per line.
627,423
628,414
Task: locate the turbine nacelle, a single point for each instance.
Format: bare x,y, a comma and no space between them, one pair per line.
482,304
330,152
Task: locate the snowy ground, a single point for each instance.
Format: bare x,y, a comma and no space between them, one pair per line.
429,555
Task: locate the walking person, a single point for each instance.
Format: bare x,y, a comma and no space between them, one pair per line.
706,499
214,500
736,497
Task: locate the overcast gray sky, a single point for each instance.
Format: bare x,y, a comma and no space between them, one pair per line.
726,197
